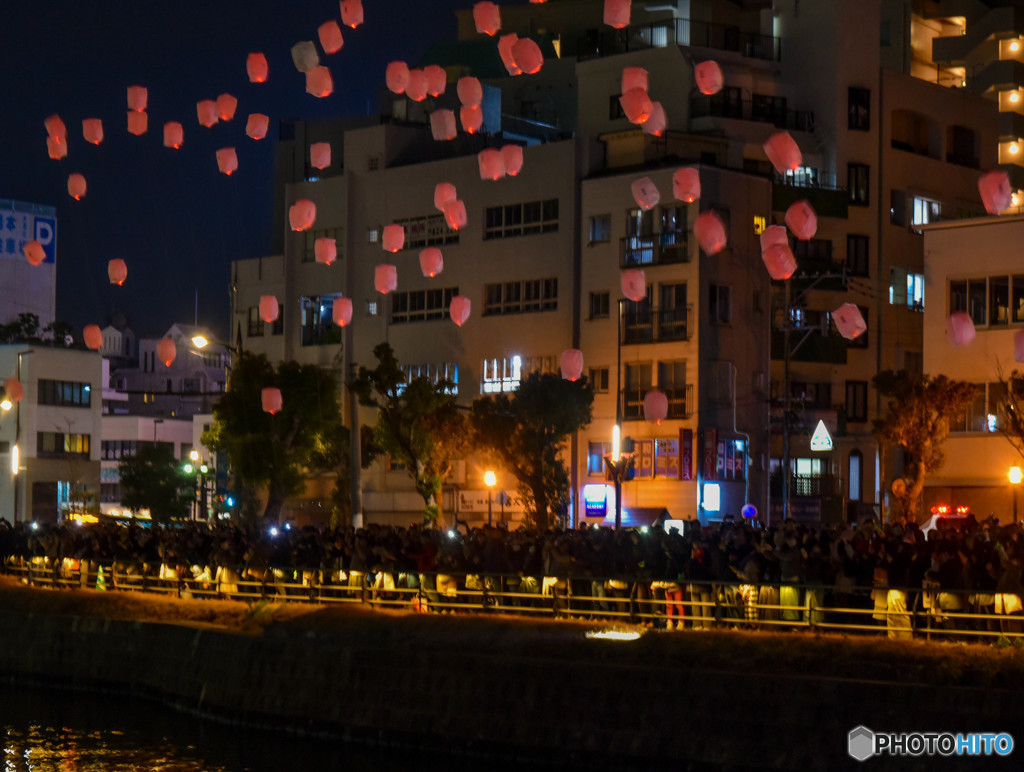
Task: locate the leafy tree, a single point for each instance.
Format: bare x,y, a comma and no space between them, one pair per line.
1011,409
25,329
276,451
526,429
154,479
920,409
418,425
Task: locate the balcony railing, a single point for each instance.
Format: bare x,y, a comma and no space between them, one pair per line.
719,106
654,249
682,32
680,402
654,325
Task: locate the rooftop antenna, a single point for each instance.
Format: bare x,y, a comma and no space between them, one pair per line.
195,320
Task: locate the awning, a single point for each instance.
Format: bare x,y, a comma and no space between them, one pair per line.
635,517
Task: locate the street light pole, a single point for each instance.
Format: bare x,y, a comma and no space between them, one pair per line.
489,481
617,464
1015,475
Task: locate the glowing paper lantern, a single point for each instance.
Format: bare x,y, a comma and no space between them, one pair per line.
849,321
56,148
352,13
174,134
709,77
472,118
270,399
302,215
393,238
256,67
779,260
341,311
994,188
117,271
34,252
1018,346
437,79
206,111
616,13
331,39
92,336
710,232
416,89
76,186
269,308
655,406
257,125
657,122
783,152
802,220
304,56
634,77
166,351
226,107
645,193
527,56
572,364
138,98
320,155
385,278
431,262
325,250
960,329
319,82
459,309
470,92
396,77
138,123
444,192
512,155
455,214
505,43
227,160
487,17
92,130
636,105
55,128
634,284
774,234
492,165
686,184
442,125
15,391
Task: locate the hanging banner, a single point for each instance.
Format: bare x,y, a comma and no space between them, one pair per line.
686,454
710,454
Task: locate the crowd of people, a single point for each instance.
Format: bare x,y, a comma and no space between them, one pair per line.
698,576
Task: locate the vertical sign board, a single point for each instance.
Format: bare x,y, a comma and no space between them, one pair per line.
686,454
711,454
18,228
21,223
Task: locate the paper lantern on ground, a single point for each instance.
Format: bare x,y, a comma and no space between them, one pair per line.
320,155
76,186
442,125
455,214
206,111
470,92
774,234
15,391
634,77
270,399
437,79
396,77
960,329
341,311
636,105
92,130
783,152
138,123
634,284
138,98
645,193
802,220
416,89
656,122
174,135
302,215
616,13
226,107
492,165
655,406
849,321
709,77
686,184
512,156
710,232
431,262
256,67
459,309
527,56
257,125
166,351
385,278
92,335
331,39
487,18
325,250
56,148
319,82
269,308
352,13
444,192
393,238
55,128
304,56
34,252
994,188
117,271
472,118
779,260
572,364
1018,346
227,160
505,43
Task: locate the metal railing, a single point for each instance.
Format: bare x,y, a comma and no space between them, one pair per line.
680,402
642,324
722,106
654,249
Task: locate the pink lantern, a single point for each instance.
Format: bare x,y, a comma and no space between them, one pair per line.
492,165
226,107
431,262
305,56
505,43
442,125
783,152
849,321
634,77
227,160
472,118
271,400
352,13
487,17
269,308
320,155
686,184
636,105
470,92
331,39
709,77
92,130
656,124
1018,346
960,329
437,79
15,391
655,406
34,252
779,260
616,13
459,309
325,250
994,187
385,278
396,77
772,235
512,155
166,351
802,220
416,89
206,111
55,128
444,192
76,186
117,271
302,215
634,284
56,148
572,364
645,193
341,311
92,335
710,232
527,56
174,135
138,97
455,214
256,68
319,82
138,123
257,125
393,238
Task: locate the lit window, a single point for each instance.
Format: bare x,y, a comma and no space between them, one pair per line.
501,375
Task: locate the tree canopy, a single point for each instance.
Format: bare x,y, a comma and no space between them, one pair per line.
154,479
25,329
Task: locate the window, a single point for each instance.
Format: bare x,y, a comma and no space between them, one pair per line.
854,476
859,100
857,183
962,146
985,413
502,222
672,225
600,228
64,393
428,231
372,234
600,305
637,377
897,207
906,289
277,326
639,244
255,322
673,313
501,375
857,254
311,236
856,401
598,378
999,300
445,372
615,110
861,341
517,297
719,305
60,445
421,305
595,456
672,381
970,295
318,327
924,211
1017,286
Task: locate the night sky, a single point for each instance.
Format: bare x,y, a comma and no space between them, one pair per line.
171,215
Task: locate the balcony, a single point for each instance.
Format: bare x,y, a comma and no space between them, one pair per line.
642,324
721,106
654,249
830,349
680,402
827,199
681,32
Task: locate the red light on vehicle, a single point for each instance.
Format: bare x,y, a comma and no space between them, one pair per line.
940,509
962,510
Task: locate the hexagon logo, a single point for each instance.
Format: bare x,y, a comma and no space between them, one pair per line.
861,743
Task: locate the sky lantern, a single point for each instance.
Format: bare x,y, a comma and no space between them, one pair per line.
505,43
117,271
341,311
960,329
320,155
269,308
352,13
616,13
802,220
783,152
512,155
527,56
271,400
455,214
385,278
994,187
431,262
15,391
645,193
655,406
686,184
636,104
257,125
443,193
1018,346
76,186
634,77
256,67
226,106
166,351
470,92
442,125
331,39
34,252
779,260
325,250
774,234
437,79
319,82
92,335
56,149
55,128
304,56
487,17
138,123
849,321
634,283
174,135
92,130
302,215
416,88
657,122
471,118
459,309
710,232
393,238
709,77
396,77
492,165
227,160
206,111
138,98
572,364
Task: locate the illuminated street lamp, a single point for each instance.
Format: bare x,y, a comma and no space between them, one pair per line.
489,480
618,464
1015,476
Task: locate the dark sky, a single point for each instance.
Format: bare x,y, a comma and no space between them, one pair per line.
175,220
